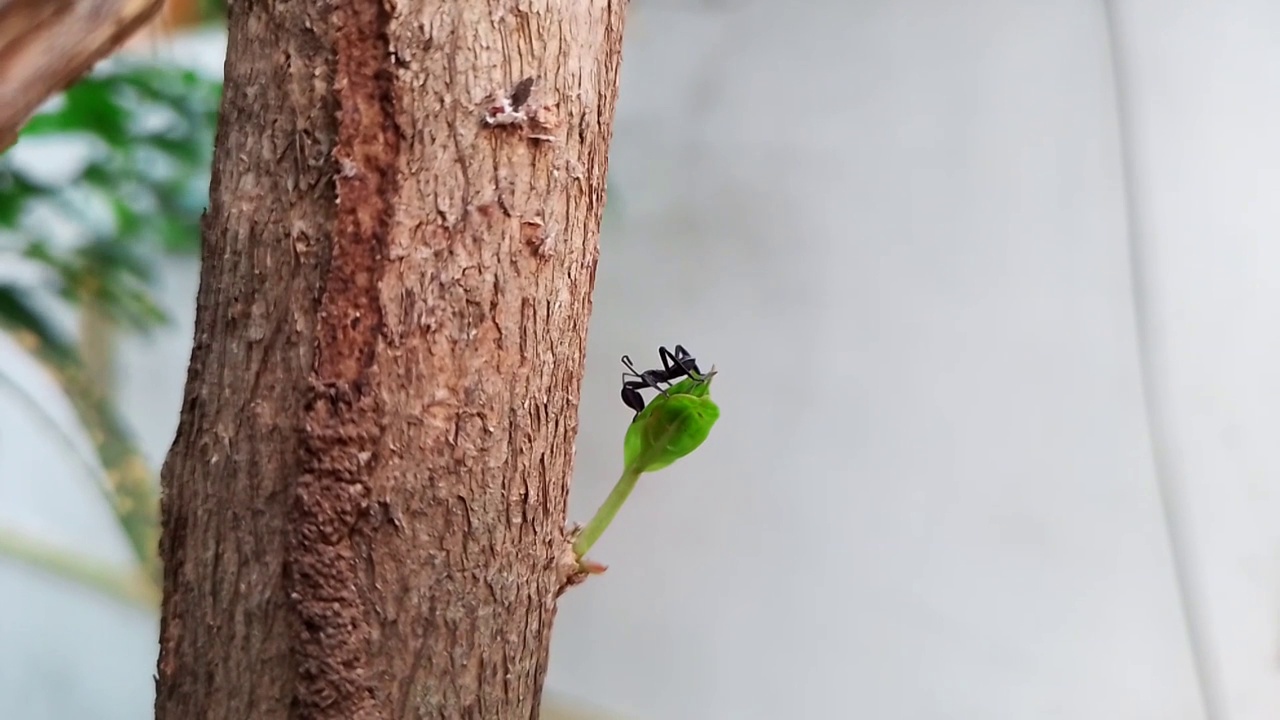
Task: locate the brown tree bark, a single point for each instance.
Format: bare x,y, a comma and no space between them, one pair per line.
47,44
364,506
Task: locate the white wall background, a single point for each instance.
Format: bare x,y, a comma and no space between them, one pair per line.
900,230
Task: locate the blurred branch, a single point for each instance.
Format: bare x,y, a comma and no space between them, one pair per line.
130,487
47,44
129,587
97,348
59,432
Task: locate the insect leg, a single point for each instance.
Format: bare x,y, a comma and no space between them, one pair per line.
680,360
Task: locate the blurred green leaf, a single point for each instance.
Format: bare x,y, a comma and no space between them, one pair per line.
15,191
213,9
141,193
89,107
18,315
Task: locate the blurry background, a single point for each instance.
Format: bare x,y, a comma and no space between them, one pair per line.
993,288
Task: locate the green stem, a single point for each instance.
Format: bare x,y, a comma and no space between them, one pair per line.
132,588
600,521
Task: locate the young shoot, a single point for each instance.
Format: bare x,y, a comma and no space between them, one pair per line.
674,424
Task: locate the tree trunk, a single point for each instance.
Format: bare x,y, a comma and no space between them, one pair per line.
364,507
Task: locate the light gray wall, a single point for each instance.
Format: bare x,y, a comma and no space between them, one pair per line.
899,230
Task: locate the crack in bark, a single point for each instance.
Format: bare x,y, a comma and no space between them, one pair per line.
333,607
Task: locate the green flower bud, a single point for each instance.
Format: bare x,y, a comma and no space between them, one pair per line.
671,426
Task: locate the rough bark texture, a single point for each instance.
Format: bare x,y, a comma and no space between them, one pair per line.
364,507
47,44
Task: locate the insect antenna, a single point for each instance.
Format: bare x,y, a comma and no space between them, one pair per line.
626,363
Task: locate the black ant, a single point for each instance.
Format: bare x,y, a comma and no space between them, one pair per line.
674,365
